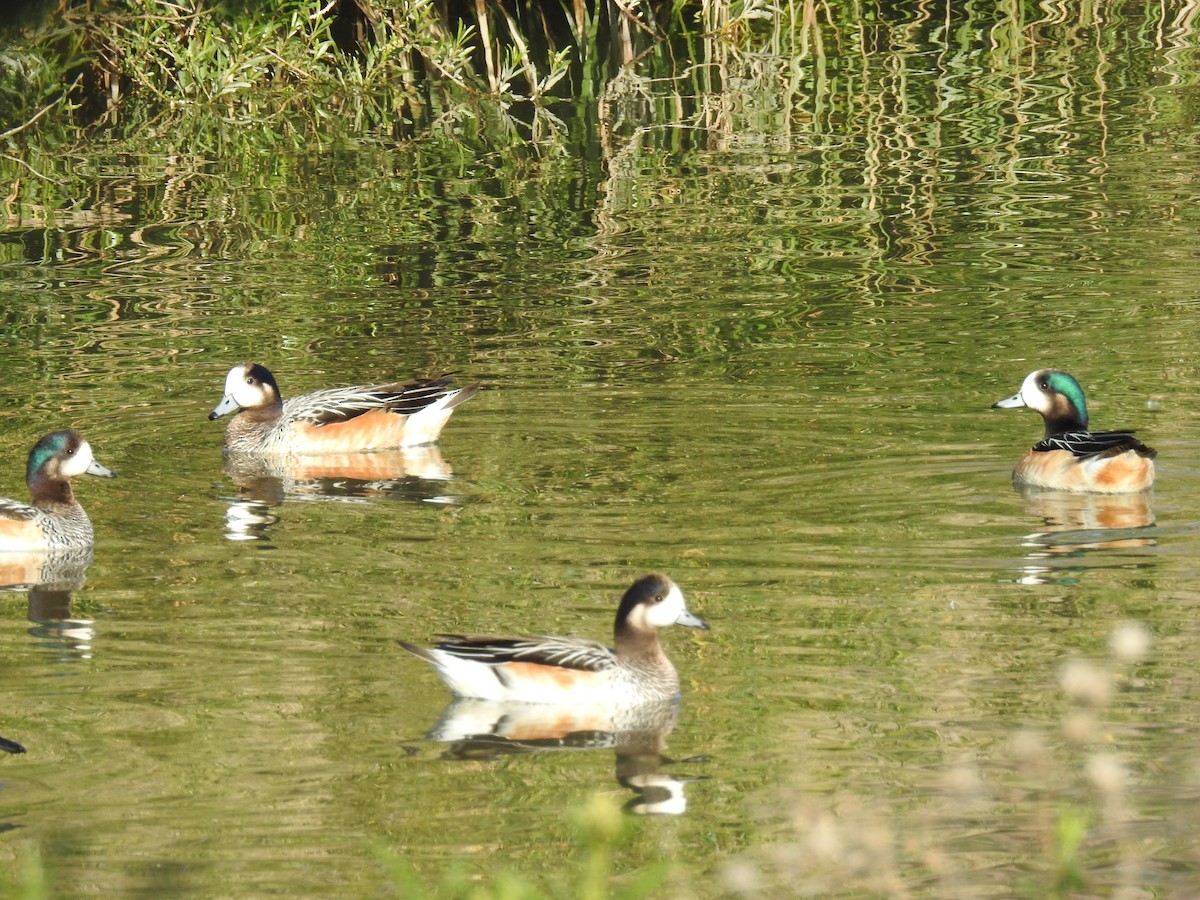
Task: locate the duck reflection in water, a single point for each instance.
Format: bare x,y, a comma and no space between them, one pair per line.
413,474
64,569
521,694
348,442
1077,525
50,579
492,729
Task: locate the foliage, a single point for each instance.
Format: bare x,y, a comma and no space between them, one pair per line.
208,96
1070,831
310,67
370,64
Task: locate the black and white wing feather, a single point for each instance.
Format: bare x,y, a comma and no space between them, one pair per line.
16,510
570,653
1093,443
342,404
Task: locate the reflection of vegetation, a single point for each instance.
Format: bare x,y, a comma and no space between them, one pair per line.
602,829
28,878
1012,87
1066,802
1070,832
885,151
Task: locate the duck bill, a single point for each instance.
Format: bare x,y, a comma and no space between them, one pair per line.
227,405
1013,402
96,469
691,621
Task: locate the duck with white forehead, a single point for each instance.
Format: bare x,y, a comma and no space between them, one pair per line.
572,671
1070,457
335,420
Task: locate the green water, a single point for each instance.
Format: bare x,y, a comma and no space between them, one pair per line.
756,353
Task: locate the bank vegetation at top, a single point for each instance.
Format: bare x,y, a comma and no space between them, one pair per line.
91,90
69,68
364,63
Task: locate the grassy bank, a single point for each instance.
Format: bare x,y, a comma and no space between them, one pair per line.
207,95
375,65
401,68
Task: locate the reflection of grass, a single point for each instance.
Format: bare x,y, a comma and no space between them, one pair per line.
590,873
601,831
1071,829
218,94
1044,817
206,100
29,879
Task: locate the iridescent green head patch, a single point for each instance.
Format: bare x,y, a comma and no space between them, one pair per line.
44,449
1069,388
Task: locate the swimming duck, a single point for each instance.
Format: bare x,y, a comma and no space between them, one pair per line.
1069,457
572,670
338,420
54,521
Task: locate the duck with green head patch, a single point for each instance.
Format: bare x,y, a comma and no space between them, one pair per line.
54,520
1070,457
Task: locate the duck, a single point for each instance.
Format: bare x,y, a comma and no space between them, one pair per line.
1070,457
575,671
336,420
54,520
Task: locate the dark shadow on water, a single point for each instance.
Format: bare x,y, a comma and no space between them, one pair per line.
10,746
417,475
487,729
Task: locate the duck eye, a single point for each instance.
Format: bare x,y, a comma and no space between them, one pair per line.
249,379
1044,384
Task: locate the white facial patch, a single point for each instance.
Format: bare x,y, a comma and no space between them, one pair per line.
666,611
245,395
1034,396
78,463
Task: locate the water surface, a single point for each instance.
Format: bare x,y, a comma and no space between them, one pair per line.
757,353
